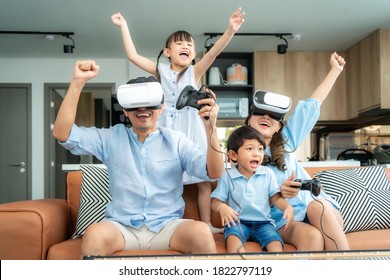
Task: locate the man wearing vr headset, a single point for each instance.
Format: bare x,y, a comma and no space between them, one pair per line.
145,164
318,224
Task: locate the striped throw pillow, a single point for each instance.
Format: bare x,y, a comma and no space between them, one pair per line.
364,196
94,197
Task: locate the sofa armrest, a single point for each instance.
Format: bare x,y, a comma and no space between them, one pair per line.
28,228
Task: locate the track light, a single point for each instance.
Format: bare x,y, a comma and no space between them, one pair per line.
48,35
208,46
69,48
281,49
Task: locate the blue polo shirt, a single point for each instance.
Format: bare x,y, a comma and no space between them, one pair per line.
248,197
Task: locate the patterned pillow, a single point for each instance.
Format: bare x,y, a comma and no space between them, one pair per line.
94,197
364,196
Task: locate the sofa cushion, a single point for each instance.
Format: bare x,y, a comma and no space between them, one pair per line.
94,197
363,194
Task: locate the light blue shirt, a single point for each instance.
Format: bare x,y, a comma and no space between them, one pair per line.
298,126
248,197
145,179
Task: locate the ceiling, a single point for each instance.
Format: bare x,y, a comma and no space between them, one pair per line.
323,25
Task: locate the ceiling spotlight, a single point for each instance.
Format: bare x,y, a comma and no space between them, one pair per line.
282,48
207,45
49,36
69,48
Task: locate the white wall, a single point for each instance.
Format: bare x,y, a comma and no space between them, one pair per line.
40,71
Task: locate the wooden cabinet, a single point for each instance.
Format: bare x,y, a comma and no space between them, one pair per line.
360,94
297,74
368,77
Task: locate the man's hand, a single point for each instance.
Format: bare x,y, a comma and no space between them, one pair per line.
209,111
85,70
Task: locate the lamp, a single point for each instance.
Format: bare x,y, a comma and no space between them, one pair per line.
208,46
69,48
281,49
49,36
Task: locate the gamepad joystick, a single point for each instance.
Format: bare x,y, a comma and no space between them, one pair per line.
189,96
313,185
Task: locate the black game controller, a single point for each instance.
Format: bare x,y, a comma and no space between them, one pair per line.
313,185
189,96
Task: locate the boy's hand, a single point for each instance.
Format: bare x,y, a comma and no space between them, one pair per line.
288,214
228,215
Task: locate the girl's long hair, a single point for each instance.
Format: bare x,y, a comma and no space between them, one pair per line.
174,37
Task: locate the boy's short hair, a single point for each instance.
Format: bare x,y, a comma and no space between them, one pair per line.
237,137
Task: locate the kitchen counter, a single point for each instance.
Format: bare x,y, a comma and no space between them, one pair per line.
331,163
73,167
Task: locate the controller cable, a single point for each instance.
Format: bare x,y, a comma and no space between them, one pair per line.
322,215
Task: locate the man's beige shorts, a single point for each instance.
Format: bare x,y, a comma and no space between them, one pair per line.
144,239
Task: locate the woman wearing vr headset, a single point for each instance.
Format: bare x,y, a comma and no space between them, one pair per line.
318,224
182,71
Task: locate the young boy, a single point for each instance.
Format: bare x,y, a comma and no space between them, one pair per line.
244,193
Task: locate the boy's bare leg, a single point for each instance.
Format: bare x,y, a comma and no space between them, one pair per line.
234,245
275,246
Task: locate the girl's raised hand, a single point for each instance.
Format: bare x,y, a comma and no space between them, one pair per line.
236,20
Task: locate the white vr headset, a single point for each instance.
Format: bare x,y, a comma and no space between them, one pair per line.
273,104
140,94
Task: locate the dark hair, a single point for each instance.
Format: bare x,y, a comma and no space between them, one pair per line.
278,152
237,137
174,37
143,80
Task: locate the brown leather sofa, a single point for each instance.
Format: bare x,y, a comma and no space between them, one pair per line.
41,229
